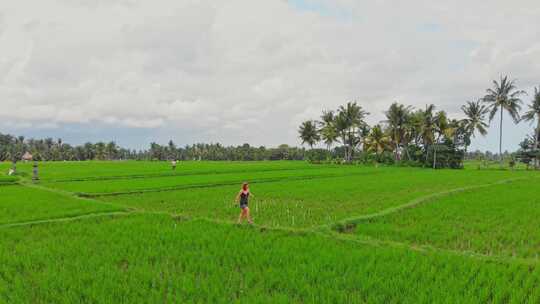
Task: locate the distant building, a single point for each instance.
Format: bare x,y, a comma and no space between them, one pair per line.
27,156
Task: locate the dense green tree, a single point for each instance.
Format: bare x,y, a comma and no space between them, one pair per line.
351,127
89,151
440,130
526,152
533,115
172,151
328,130
427,128
413,132
397,117
100,149
111,150
377,141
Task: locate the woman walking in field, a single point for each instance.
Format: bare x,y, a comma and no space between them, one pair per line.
243,198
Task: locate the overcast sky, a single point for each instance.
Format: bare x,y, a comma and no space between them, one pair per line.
237,71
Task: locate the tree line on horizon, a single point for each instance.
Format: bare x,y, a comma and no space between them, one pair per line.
425,136
12,148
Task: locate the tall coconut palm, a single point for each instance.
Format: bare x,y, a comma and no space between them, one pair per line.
413,130
441,128
328,128
475,116
396,119
309,133
454,130
531,115
350,125
427,127
377,141
504,96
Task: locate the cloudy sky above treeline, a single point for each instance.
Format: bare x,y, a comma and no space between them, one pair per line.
238,71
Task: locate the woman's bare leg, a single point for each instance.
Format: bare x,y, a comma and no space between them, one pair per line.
240,216
248,216
243,214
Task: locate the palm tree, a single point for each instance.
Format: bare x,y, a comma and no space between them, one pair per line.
440,124
328,128
89,152
413,130
427,128
396,118
377,141
173,151
350,126
309,133
503,96
475,113
531,115
100,150
111,150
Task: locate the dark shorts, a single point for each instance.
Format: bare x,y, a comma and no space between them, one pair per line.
243,206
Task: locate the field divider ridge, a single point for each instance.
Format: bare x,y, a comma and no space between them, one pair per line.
74,196
66,218
164,175
366,240
219,184
350,223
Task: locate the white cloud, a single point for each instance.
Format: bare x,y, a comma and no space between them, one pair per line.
249,71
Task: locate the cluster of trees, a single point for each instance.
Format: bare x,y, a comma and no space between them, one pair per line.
217,151
12,149
529,150
423,136
526,153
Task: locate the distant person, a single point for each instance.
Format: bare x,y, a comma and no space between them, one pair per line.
243,198
173,165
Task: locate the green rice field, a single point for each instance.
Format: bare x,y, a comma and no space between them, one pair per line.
139,232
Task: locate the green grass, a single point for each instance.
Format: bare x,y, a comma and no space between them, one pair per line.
499,220
8,180
168,182
493,165
307,203
155,259
467,236
22,204
65,171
